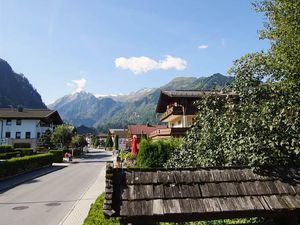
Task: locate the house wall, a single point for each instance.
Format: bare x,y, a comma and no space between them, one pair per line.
27,125
178,121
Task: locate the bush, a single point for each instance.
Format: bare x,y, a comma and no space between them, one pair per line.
96,215
156,153
25,151
22,145
77,152
9,155
16,166
57,155
41,149
124,155
5,148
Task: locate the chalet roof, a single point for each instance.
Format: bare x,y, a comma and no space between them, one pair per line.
205,193
168,97
144,129
43,114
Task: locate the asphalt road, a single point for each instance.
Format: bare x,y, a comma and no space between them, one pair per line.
46,200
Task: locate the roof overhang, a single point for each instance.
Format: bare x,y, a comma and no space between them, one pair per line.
169,97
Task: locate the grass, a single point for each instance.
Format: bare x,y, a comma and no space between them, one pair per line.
96,216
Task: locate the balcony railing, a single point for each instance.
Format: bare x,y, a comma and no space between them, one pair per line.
174,110
169,132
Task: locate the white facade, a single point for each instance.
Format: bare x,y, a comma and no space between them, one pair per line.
27,130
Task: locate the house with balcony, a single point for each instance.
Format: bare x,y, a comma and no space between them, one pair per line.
23,125
142,130
177,110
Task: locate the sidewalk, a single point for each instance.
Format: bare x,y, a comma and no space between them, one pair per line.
81,208
19,179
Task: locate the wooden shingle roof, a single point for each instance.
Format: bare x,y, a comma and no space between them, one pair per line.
206,193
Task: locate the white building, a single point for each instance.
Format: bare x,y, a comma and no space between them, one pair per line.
26,125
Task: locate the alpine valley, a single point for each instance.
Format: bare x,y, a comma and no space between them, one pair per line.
83,109
117,111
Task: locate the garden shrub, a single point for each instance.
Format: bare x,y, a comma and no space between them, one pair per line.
25,151
156,153
16,166
124,155
57,155
22,145
41,149
8,155
77,152
5,148
96,215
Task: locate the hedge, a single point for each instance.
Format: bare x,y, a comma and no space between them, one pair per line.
25,151
154,154
15,166
22,145
57,155
96,215
9,155
5,148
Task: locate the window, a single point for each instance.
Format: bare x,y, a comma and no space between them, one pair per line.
38,135
18,122
43,124
18,135
7,134
8,122
27,135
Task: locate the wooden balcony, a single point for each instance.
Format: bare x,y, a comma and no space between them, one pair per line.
164,133
174,110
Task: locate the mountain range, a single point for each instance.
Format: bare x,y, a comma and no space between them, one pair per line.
15,89
100,111
118,111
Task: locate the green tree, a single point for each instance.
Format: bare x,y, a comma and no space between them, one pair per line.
79,141
96,143
282,28
116,142
109,142
45,139
62,135
261,125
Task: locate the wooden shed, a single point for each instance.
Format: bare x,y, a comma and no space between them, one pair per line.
176,195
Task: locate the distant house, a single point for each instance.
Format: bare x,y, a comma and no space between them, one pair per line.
102,136
26,125
122,135
177,109
143,130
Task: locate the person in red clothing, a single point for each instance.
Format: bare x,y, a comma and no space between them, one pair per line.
134,147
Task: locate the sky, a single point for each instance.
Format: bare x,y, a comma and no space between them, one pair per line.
119,46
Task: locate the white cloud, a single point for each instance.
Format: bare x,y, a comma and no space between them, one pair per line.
172,62
144,64
77,85
203,46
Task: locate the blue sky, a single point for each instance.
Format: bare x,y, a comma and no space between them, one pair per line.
119,46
